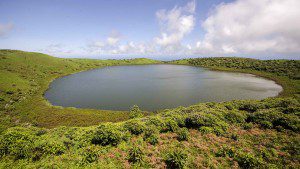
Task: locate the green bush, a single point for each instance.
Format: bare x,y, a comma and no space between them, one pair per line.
49,146
155,121
90,154
226,151
170,125
136,155
248,126
197,120
151,135
17,142
249,107
248,160
176,159
135,127
179,119
266,124
235,117
276,118
206,130
219,130
183,134
135,112
287,121
107,134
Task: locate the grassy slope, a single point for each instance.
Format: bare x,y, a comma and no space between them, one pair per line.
24,76
289,80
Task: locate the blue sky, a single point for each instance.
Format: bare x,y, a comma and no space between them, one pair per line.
152,28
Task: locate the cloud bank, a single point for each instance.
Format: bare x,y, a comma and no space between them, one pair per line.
5,29
251,27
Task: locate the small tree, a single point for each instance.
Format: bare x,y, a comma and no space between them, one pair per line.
135,112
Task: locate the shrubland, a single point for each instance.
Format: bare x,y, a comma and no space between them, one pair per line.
234,134
25,76
202,135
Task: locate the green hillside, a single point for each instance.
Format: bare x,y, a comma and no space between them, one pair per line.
284,72
235,134
24,77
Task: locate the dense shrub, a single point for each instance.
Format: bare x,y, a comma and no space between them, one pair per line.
266,124
206,130
249,107
235,117
49,146
135,127
17,142
271,118
107,134
151,135
197,120
179,119
136,155
290,122
226,151
289,68
135,112
183,134
90,154
175,159
155,121
248,160
170,125
248,126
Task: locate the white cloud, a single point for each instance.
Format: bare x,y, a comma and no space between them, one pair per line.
56,49
5,29
175,24
252,27
113,38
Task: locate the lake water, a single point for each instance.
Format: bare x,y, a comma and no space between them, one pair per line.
154,87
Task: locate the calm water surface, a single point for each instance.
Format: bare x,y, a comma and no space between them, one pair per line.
154,87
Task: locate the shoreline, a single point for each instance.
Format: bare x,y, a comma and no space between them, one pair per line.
276,81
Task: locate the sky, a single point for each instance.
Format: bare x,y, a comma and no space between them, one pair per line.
159,29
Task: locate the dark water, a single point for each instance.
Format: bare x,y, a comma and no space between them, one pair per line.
154,87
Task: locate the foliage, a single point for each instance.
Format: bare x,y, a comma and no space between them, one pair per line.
135,127
136,155
17,142
90,154
183,134
135,112
155,121
235,117
248,126
278,67
197,120
151,135
176,159
248,160
170,125
109,145
107,134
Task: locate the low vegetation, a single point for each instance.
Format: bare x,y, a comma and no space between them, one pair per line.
284,72
235,134
220,135
25,76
